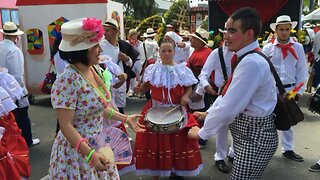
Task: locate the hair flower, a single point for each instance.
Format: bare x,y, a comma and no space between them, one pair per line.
93,25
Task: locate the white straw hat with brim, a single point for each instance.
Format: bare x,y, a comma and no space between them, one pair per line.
184,33
307,25
133,31
169,26
149,33
9,28
284,19
202,35
75,38
111,23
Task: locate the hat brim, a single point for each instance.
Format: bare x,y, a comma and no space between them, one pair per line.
149,35
66,46
193,35
109,25
19,32
274,25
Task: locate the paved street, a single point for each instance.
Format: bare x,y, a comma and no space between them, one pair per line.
307,145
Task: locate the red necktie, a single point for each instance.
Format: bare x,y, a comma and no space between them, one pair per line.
286,48
233,66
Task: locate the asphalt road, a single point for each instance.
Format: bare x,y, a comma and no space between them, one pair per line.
307,144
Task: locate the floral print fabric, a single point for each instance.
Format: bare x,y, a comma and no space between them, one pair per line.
71,91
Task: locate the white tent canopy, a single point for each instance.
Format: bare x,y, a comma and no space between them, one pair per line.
314,15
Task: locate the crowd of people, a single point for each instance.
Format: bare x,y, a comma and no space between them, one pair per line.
228,88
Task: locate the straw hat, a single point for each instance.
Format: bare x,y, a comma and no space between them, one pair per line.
9,28
75,38
184,33
284,19
202,35
111,23
133,31
149,33
307,25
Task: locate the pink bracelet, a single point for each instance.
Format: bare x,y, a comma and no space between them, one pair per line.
79,142
92,157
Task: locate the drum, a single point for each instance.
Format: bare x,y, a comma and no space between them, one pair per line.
159,120
314,101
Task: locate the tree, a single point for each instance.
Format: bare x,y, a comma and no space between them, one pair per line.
139,9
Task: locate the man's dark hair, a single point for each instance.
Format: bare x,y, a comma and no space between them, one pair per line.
75,56
249,18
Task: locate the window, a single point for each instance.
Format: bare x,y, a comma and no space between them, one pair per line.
10,15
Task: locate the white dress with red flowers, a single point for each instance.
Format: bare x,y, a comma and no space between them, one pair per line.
71,91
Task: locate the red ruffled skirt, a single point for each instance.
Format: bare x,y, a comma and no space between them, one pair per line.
164,154
15,144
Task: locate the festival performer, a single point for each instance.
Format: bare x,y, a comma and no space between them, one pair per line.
247,101
289,60
181,49
81,101
166,154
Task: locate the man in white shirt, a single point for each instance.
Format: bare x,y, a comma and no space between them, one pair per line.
289,60
11,57
247,101
213,63
110,47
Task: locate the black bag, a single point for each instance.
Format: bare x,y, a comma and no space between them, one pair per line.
314,101
287,111
131,73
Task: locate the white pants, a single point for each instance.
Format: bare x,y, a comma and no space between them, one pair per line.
287,140
221,145
137,69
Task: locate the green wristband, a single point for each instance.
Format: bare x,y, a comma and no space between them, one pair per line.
111,113
88,158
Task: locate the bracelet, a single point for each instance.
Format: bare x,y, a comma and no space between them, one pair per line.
125,119
88,158
92,158
111,113
78,144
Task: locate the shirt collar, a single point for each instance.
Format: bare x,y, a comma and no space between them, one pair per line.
277,42
248,48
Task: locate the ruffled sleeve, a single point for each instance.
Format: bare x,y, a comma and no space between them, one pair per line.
6,103
11,85
65,90
160,75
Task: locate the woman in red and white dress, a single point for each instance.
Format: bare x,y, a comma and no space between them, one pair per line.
167,154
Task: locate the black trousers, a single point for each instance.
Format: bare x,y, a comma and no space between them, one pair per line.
23,121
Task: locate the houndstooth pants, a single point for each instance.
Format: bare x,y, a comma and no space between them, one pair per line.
255,142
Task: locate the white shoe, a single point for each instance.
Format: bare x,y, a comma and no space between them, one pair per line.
35,142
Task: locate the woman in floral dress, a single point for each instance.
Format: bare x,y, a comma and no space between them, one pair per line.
167,154
81,101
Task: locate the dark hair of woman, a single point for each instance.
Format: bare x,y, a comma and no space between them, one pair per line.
75,56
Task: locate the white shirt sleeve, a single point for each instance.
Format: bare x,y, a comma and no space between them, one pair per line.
301,70
226,108
15,66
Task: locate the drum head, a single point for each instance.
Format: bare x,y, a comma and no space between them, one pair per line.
156,115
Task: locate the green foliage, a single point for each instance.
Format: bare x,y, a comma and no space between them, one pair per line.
172,13
139,9
156,22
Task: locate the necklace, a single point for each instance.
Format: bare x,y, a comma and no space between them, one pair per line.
106,95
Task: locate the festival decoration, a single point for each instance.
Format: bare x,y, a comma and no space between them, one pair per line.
54,29
35,41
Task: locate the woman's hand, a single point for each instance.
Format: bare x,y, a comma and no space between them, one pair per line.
100,163
133,122
193,133
200,116
184,100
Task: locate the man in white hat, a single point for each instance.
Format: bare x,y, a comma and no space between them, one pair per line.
289,60
121,53
214,74
307,45
11,57
151,46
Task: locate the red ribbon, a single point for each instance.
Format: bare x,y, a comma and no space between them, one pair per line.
286,48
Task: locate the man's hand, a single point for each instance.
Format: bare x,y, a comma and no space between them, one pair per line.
200,116
123,57
193,133
209,89
297,97
181,45
122,76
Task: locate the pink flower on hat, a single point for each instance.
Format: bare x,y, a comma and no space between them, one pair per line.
93,25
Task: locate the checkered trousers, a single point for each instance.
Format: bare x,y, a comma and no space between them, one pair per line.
255,141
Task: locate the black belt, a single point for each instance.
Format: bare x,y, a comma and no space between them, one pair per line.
289,85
